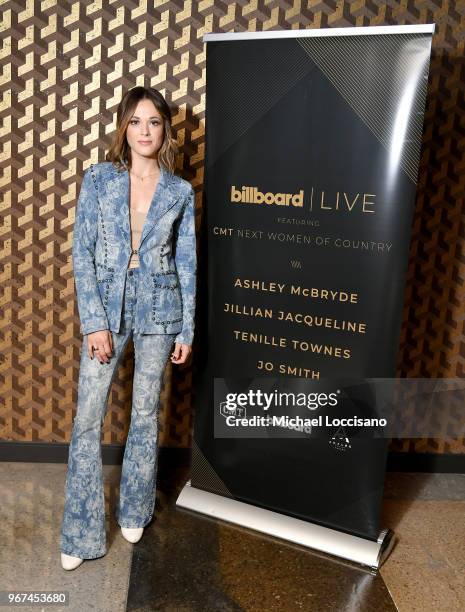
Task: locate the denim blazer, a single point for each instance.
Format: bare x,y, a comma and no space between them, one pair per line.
167,254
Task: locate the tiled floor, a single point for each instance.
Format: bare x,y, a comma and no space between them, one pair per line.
426,570
32,498
186,562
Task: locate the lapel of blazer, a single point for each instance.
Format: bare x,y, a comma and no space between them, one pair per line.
165,197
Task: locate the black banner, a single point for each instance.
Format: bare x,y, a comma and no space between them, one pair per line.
313,145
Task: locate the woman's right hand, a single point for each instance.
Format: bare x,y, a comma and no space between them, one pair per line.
103,342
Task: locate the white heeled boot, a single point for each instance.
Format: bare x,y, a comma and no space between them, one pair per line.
132,534
69,562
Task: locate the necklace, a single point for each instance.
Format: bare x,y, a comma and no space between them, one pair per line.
143,177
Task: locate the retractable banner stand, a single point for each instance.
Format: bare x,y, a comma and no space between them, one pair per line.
313,141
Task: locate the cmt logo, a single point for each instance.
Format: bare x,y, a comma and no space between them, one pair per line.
251,195
235,411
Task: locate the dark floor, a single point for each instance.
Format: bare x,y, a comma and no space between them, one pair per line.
190,562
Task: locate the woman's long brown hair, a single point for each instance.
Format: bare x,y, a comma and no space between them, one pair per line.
119,152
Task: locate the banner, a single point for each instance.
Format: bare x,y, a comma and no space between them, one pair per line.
313,141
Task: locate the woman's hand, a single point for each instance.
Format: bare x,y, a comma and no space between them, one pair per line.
181,353
103,342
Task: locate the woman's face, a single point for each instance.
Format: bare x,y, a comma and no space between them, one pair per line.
145,130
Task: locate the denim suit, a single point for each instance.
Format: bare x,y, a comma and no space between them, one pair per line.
154,303
167,254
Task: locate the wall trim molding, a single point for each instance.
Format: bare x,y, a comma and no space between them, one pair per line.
112,454
451,463
57,452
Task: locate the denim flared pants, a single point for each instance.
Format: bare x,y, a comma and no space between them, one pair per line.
83,532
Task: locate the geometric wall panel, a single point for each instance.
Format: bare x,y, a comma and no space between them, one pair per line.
65,66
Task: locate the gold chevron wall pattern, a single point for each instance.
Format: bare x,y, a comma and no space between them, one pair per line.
64,68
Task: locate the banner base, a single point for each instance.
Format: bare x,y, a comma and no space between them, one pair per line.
350,547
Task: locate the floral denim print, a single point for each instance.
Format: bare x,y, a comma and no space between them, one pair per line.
167,254
83,532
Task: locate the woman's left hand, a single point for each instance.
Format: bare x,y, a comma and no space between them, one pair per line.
181,353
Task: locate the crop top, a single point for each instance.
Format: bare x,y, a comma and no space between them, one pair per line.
137,223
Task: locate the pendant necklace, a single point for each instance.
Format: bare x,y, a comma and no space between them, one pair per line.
143,177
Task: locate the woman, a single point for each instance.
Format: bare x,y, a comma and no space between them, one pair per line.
134,262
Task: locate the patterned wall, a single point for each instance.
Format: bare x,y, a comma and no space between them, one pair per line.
65,66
